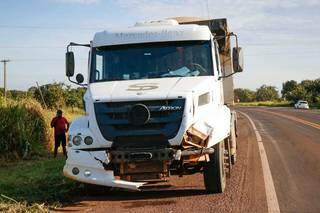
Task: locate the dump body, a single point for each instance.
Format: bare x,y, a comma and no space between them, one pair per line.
218,28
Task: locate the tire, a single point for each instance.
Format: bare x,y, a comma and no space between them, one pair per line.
214,173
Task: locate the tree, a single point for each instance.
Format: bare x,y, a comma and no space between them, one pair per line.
299,93
74,96
58,95
308,90
53,95
312,88
244,95
267,93
287,88
316,91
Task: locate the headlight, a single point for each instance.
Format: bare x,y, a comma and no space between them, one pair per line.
88,140
76,140
87,173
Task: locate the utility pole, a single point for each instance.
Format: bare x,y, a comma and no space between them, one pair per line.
41,95
5,61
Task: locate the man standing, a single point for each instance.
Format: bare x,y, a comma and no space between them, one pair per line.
61,126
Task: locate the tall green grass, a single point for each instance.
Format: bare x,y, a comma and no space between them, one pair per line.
22,129
25,130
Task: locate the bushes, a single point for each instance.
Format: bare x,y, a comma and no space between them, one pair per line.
267,93
244,95
23,129
53,95
308,90
292,91
58,95
264,93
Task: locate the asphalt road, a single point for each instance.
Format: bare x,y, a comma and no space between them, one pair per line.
291,140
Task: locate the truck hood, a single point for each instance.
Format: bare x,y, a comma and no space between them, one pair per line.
146,89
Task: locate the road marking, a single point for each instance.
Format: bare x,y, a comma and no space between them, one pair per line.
272,200
314,125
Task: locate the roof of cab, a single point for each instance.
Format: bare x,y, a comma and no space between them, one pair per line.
149,34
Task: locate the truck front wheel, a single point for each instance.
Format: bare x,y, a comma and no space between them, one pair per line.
214,172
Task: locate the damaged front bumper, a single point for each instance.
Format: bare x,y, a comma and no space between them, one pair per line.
94,167
83,166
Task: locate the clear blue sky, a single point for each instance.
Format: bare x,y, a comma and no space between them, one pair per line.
280,37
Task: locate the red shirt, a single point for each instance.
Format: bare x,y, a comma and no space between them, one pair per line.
60,124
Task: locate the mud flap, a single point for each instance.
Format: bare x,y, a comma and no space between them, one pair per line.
233,133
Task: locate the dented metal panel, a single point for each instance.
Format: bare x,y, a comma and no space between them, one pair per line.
197,135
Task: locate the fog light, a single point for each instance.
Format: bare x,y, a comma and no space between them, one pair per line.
87,173
88,140
77,140
75,171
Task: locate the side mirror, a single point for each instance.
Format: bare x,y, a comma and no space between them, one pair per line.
237,57
69,64
79,78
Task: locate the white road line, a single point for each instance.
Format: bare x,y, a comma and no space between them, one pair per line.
272,200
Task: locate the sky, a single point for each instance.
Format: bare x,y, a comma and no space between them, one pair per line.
280,38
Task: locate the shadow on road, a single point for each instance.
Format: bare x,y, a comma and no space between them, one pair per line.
121,195
132,199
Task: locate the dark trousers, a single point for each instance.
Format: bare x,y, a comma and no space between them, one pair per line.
60,140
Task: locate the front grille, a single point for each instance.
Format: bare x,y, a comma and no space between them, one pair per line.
114,123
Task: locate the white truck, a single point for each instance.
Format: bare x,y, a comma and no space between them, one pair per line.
156,105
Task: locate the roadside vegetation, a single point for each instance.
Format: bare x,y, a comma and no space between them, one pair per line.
30,180
34,186
292,91
56,95
23,130
267,103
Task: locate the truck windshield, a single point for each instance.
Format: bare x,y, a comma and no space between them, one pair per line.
152,60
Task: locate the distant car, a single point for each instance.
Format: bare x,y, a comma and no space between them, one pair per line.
301,105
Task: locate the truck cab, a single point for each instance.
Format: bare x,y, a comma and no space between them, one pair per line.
155,107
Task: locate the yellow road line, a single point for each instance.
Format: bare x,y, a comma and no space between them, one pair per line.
314,125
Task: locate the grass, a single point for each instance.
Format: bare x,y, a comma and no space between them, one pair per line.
266,103
25,131
274,104
34,186
315,106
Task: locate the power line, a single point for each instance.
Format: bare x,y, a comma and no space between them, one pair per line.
49,27
43,59
286,53
30,47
